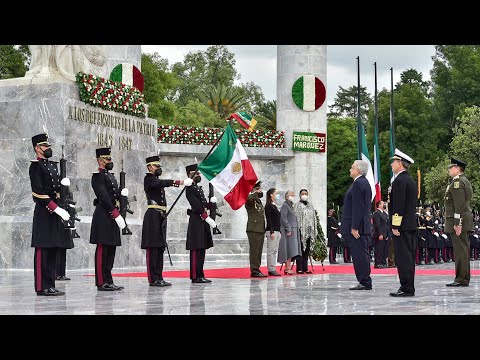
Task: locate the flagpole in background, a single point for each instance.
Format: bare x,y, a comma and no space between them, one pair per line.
376,150
392,123
359,120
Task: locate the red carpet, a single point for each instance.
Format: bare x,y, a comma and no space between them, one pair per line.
244,273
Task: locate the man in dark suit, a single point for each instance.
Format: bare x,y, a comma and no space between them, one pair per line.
380,235
356,225
402,201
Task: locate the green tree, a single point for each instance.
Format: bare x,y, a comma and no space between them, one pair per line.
417,131
456,81
267,112
201,69
345,103
253,97
14,61
195,113
436,181
222,99
341,153
160,84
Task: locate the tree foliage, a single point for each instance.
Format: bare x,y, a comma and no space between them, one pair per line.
201,69
465,145
14,61
267,114
221,99
341,153
456,81
160,84
345,103
195,113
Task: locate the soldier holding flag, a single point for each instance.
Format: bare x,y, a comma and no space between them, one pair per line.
154,230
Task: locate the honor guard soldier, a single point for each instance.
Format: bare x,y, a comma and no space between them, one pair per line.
459,220
402,199
106,220
154,231
48,231
199,235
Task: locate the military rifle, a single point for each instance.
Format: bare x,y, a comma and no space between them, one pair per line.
213,208
66,200
125,203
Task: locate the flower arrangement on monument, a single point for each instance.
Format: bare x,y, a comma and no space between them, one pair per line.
110,95
177,134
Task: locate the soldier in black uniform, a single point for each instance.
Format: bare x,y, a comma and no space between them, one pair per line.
154,231
48,231
106,221
332,236
402,195
199,235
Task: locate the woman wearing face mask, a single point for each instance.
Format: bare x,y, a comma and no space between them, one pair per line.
272,231
308,229
289,248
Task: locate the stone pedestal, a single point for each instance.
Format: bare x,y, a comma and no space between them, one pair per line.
306,170
26,110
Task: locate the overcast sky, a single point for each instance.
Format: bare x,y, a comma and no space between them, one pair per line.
258,63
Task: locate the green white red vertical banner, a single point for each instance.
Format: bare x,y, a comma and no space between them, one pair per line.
366,158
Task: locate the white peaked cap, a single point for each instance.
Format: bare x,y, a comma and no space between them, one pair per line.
402,156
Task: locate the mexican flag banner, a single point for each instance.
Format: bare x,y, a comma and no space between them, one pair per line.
229,170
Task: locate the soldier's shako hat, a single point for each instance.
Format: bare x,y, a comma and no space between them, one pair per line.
104,152
153,160
399,155
257,185
192,167
40,139
457,162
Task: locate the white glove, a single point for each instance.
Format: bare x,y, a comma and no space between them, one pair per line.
65,182
213,199
444,236
435,233
62,213
339,235
210,222
120,222
436,221
124,192
188,182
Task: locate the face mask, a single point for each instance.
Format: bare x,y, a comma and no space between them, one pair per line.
427,213
260,194
158,172
197,179
304,197
47,153
384,206
277,197
291,198
109,166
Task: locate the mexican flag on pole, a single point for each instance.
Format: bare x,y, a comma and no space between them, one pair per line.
376,156
229,170
366,158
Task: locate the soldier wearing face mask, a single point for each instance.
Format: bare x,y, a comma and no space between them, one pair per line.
255,228
106,220
199,234
154,230
48,232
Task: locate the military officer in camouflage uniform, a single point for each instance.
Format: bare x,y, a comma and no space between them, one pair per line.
459,220
48,232
154,230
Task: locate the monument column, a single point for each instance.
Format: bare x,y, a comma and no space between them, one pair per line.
306,170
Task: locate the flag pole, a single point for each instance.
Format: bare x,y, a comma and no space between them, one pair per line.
376,150
359,120
191,176
392,123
